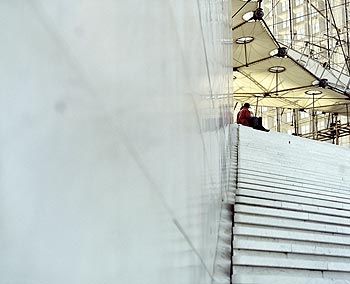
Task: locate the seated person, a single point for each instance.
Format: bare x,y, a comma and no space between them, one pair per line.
246,118
244,115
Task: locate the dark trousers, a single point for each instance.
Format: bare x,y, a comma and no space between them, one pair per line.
256,123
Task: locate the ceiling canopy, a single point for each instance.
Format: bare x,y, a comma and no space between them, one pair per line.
266,74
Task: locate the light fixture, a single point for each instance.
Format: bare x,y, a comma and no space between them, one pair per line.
313,92
244,39
248,17
273,52
277,69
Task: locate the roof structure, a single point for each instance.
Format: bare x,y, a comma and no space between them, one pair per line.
268,73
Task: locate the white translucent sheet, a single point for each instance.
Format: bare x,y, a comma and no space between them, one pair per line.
109,172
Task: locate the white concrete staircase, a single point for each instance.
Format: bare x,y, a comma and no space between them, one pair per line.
292,210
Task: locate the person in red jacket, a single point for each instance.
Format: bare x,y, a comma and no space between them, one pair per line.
244,115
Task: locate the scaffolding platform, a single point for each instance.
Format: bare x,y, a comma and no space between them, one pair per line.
332,133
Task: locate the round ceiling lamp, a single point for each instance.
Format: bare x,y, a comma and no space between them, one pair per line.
313,92
244,39
273,52
248,17
277,69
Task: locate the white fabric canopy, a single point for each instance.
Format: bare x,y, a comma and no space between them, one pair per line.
264,78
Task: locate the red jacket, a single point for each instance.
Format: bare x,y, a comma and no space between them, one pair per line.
243,117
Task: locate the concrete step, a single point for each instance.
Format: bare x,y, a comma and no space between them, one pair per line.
332,186
343,203
296,170
294,206
290,234
290,214
290,260
292,198
324,193
289,246
277,222
291,211
257,275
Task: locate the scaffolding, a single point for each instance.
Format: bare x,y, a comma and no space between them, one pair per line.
316,31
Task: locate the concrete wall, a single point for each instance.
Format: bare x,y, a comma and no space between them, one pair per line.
113,155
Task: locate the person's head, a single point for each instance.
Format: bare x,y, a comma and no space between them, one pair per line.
246,105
